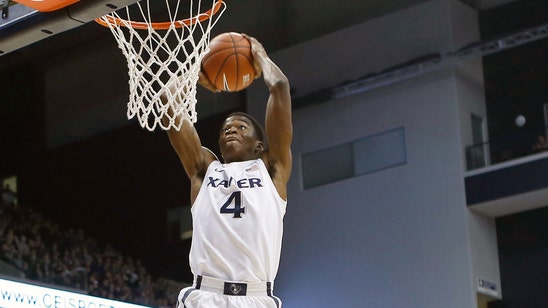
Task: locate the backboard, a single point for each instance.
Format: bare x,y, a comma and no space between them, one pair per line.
22,25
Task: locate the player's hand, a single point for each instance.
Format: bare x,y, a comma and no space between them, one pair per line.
204,82
256,49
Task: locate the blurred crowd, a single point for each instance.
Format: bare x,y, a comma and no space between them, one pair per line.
46,252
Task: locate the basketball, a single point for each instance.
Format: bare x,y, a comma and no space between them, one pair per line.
229,63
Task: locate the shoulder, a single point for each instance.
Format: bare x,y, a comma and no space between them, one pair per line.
279,173
278,165
202,165
208,158
209,155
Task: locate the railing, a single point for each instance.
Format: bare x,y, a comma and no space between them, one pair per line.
504,148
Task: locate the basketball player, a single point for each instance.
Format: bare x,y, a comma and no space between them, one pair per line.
238,204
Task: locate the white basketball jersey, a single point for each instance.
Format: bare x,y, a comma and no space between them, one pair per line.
237,223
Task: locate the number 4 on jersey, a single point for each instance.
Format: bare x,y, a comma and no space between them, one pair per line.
237,209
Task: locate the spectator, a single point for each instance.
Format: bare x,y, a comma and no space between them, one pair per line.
46,253
8,196
7,203
541,145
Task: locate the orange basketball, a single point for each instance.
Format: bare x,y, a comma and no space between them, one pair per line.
229,63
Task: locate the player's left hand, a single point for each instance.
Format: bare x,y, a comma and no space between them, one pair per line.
204,82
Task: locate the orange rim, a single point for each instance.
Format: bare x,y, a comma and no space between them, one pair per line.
160,25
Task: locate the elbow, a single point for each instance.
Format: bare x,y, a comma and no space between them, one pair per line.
281,83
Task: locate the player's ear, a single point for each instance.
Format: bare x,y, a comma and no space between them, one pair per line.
259,148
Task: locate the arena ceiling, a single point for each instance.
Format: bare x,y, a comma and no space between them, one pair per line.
278,23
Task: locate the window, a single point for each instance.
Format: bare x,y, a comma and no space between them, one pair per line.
475,155
362,156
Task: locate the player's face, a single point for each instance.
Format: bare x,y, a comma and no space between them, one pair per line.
238,140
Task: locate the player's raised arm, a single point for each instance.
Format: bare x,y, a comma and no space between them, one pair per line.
188,146
278,125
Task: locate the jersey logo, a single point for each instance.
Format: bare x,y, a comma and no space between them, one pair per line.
253,168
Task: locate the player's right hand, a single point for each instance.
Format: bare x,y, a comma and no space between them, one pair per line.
256,47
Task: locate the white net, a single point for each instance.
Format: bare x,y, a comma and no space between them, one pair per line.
162,55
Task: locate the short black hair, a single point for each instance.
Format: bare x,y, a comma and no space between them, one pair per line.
259,131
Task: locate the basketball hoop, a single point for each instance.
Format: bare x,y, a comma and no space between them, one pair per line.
163,53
